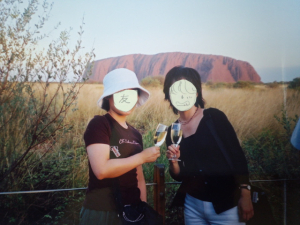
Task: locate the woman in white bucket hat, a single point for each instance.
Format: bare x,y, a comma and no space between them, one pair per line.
115,150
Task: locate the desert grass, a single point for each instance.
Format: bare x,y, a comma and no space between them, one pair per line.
248,110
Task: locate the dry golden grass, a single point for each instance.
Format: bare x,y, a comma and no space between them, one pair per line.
252,110
249,111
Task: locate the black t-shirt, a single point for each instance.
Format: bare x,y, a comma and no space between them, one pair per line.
123,143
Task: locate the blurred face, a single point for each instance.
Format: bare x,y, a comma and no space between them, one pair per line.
123,102
183,95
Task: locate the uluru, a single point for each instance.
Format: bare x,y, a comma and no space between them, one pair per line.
210,67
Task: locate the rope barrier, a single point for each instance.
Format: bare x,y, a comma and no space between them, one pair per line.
84,188
40,191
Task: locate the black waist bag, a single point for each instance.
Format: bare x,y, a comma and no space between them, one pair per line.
140,214
136,214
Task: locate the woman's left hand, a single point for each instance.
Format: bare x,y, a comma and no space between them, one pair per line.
245,206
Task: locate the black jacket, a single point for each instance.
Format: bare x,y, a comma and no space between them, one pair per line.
222,184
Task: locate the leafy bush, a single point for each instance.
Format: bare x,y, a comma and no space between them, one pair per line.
273,85
33,111
243,84
271,156
295,83
55,171
155,81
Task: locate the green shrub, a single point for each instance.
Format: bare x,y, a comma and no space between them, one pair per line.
273,85
295,83
52,171
271,156
216,85
153,81
243,84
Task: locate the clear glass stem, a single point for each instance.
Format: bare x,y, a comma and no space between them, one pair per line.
174,156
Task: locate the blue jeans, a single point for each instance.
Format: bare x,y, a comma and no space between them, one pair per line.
197,212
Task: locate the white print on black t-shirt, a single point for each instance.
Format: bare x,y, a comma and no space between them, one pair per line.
115,150
122,141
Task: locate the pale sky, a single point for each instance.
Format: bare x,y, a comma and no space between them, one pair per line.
264,33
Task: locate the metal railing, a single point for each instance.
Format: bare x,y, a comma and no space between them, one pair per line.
159,190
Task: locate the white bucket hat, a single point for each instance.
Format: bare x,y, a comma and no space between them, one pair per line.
121,79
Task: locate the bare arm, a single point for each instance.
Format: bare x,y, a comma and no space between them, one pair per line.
104,167
141,183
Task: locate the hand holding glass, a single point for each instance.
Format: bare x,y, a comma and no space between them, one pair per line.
176,135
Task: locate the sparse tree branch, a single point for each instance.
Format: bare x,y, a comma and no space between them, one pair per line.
38,113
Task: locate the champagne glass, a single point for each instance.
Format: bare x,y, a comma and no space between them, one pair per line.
176,135
160,134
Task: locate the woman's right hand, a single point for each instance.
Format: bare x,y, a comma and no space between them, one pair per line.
172,151
151,154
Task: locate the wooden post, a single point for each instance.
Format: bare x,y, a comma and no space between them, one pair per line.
159,189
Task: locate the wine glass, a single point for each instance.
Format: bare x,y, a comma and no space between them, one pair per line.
160,134
176,135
